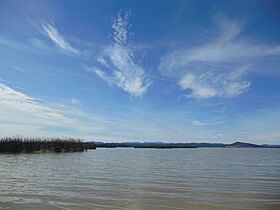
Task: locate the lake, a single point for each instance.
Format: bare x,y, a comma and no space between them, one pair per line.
133,179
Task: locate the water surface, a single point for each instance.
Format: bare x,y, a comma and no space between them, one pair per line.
133,179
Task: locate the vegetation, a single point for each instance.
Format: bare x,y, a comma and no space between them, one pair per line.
38,145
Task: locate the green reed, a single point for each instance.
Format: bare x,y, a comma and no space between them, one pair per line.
37,145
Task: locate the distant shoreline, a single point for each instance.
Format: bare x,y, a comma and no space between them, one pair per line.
18,145
162,145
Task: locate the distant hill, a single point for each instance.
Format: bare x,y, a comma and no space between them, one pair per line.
237,144
242,144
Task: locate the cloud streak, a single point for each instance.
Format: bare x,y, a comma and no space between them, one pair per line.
218,68
208,85
198,123
14,100
52,33
121,28
208,123
25,115
117,65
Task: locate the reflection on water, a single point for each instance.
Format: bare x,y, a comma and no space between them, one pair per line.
142,179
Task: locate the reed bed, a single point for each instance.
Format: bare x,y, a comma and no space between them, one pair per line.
41,145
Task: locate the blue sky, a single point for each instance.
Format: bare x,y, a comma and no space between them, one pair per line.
172,71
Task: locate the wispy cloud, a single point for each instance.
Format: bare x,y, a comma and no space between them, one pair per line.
22,114
52,32
121,28
18,69
208,123
226,48
117,64
217,68
17,102
207,85
110,80
198,123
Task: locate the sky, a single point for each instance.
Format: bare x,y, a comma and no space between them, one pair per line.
161,70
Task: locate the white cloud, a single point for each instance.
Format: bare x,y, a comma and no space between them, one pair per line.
200,90
207,85
226,48
117,64
13,102
24,115
198,123
110,80
217,68
208,123
121,28
57,38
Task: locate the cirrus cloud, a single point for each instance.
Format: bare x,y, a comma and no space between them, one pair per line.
218,68
53,34
208,85
117,65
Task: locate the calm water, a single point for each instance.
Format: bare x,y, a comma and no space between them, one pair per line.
142,179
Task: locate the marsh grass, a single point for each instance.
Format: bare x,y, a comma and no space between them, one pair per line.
41,145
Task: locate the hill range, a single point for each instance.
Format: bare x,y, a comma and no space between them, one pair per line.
180,145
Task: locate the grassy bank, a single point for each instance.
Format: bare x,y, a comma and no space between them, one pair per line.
38,145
